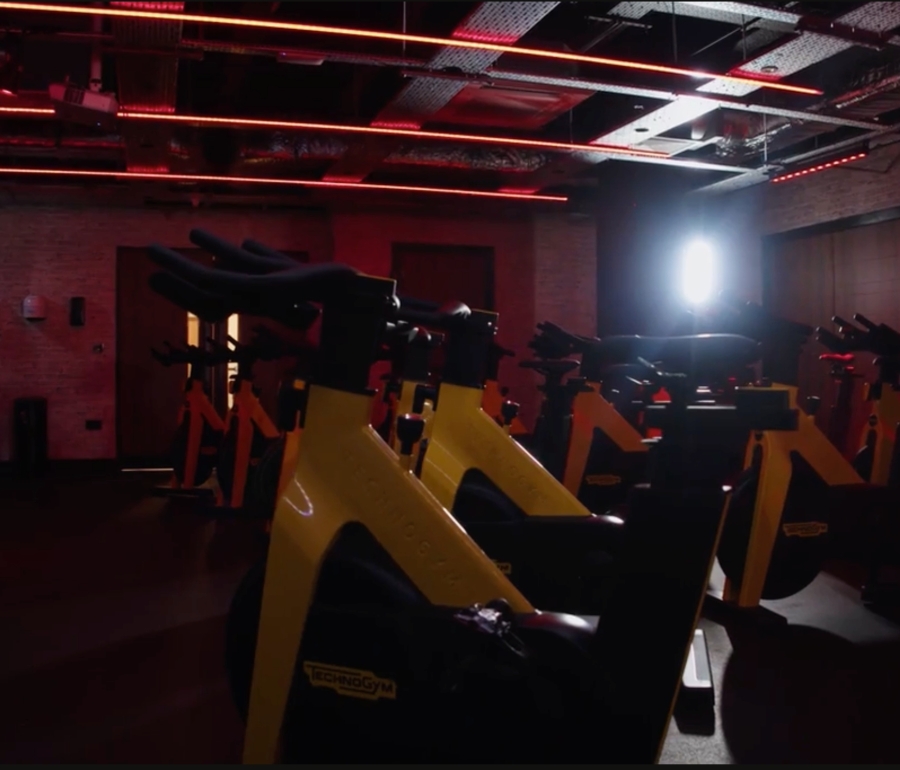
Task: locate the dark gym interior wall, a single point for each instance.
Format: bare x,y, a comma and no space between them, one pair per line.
545,268
640,228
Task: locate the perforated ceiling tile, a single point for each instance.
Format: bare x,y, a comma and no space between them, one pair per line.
424,96
496,22
811,48
875,17
794,56
727,13
734,11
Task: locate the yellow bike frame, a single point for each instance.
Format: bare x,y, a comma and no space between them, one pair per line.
197,409
883,420
464,436
776,470
591,411
347,473
246,412
291,447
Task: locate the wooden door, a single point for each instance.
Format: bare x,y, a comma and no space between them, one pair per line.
148,394
445,273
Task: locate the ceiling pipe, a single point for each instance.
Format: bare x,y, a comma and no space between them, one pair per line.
473,43
96,80
790,57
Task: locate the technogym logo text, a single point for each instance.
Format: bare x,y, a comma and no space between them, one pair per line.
804,529
350,682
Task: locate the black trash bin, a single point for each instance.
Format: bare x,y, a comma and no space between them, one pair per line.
30,429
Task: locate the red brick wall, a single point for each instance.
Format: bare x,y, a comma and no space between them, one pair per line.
869,185
60,252
545,269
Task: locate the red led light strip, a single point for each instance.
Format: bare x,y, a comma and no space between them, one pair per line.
820,167
479,45
198,120
54,172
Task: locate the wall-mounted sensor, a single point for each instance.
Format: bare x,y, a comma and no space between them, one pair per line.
76,311
34,308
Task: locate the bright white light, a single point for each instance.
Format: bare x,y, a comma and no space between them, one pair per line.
698,272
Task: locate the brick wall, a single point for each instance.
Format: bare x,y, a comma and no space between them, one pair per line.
872,184
60,252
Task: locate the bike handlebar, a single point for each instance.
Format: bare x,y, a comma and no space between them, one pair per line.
880,339
300,282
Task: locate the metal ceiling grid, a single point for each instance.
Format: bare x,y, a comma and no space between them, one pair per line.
727,13
504,22
147,83
878,17
798,53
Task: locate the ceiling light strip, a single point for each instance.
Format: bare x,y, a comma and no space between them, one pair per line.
201,120
815,169
85,174
479,45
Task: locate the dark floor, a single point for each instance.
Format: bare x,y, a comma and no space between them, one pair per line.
112,608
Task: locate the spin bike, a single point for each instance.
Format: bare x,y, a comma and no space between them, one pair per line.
795,486
595,447
874,457
195,449
560,560
386,633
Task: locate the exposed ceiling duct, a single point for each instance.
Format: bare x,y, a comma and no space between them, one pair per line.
468,91
422,98
147,82
799,52
478,158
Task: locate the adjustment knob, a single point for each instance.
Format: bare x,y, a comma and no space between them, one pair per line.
509,410
410,428
812,405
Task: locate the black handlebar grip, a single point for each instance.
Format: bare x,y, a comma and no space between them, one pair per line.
846,327
273,255
861,319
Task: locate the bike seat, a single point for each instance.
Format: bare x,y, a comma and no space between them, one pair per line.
699,353
551,367
844,358
578,630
